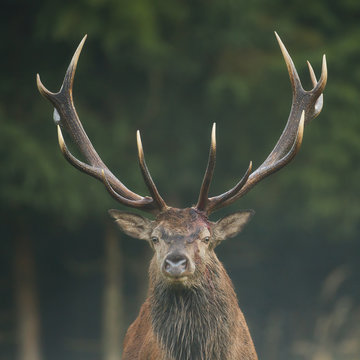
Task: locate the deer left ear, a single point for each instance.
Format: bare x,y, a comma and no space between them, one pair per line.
231,225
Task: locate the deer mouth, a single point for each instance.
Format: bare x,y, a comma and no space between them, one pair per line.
177,279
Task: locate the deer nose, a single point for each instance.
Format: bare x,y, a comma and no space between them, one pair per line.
175,265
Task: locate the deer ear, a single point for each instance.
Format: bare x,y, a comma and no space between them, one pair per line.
231,225
133,225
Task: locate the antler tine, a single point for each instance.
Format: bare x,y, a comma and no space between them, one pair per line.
146,175
318,86
306,105
216,202
141,204
312,74
204,190
294,77
319,102
65,115
71,158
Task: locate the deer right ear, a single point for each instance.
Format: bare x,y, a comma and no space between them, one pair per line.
133,225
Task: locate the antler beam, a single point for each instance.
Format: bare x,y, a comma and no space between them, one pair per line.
306,105
68,119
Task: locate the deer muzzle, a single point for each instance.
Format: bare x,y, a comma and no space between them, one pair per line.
176,265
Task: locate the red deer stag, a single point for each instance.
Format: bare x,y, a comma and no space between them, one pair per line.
191,311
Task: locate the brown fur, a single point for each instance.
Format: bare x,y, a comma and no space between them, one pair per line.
195,319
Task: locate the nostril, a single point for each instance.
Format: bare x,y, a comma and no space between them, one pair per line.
182,263
175,265
179,263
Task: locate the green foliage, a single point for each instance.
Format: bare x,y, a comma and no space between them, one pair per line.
170,69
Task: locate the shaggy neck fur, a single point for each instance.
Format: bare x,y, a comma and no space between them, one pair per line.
195,323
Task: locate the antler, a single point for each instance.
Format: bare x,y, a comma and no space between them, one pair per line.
306,105
65,116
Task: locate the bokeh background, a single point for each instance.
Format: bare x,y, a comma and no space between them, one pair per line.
70,282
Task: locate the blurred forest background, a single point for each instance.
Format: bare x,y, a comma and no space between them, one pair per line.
70,282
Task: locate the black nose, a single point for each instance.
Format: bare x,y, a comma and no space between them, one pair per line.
175,264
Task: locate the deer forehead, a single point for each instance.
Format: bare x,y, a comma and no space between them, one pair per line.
177,224
180,235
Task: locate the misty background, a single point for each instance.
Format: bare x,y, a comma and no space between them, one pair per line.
70,282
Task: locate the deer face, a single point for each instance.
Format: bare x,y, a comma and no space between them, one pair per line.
183,240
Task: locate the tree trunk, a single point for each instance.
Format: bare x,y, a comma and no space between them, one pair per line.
28,327
113,304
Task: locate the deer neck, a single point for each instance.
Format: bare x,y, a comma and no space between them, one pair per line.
195,323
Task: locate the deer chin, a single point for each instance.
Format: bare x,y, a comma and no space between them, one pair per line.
182,281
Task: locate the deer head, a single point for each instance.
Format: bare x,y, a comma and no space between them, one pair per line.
184,239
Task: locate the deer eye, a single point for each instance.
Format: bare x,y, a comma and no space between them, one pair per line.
206,240
154,240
